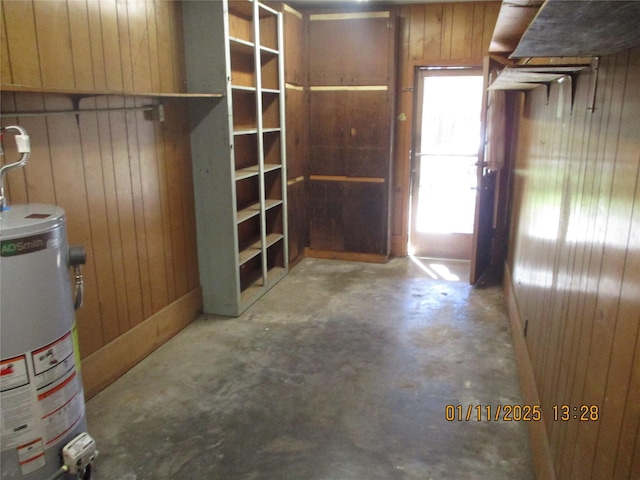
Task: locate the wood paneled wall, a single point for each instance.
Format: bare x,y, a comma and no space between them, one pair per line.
297,106
352,98
435,34
575,264
132,46
125,182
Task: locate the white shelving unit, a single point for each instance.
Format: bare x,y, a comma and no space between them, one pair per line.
238,150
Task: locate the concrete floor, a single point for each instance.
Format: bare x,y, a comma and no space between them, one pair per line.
342,371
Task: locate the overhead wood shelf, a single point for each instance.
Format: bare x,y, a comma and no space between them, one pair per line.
580,28
527,78
97,93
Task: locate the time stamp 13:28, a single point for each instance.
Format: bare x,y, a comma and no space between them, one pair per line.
520,413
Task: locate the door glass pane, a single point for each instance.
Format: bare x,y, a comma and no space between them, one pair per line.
450,138
447,194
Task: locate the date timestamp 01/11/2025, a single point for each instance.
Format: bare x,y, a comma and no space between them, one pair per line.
519,413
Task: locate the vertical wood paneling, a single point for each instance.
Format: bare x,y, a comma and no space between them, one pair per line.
124,194
297,147
133,119
125,33
5,64
432,34
153,225
19,189
417,26
462,31
39,188
139,40
178,65
97,47
111,45
154,64
174,183
446,35
120,323
187,192
126,220
431,37
80,45
165,46
124,181
54,42
22,42
129,46
351,132
165,201
68,172
99,251
575,264
477,32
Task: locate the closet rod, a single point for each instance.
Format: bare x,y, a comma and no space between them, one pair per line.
44,113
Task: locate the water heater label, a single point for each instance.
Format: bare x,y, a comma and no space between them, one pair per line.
31,244
41,396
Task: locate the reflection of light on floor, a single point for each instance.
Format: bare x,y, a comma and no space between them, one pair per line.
437,271
444,272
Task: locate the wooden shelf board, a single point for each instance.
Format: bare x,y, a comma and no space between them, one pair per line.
247,172
254,209
249,212
97,93
250,252
272,51
581,28
238,45
270,203
243,88
273,238
255,248
271,167
530,77
245,131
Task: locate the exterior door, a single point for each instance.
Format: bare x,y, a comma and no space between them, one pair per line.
445,157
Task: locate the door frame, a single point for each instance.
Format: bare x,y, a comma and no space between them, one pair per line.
481,232
415,142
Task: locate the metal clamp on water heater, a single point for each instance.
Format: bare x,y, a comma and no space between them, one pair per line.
77,258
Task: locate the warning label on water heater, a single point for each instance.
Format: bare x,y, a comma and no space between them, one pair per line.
41,397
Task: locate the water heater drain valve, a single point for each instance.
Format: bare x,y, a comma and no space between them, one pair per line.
79,453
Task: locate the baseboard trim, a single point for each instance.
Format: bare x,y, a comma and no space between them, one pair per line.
106,365
347,256
540,451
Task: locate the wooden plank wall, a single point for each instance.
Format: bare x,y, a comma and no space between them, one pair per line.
124,181
352,95
128,46
297,109
574,262
434,34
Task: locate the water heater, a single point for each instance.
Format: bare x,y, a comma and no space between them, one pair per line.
41,396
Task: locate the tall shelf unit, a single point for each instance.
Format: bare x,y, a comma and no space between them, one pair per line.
238,150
